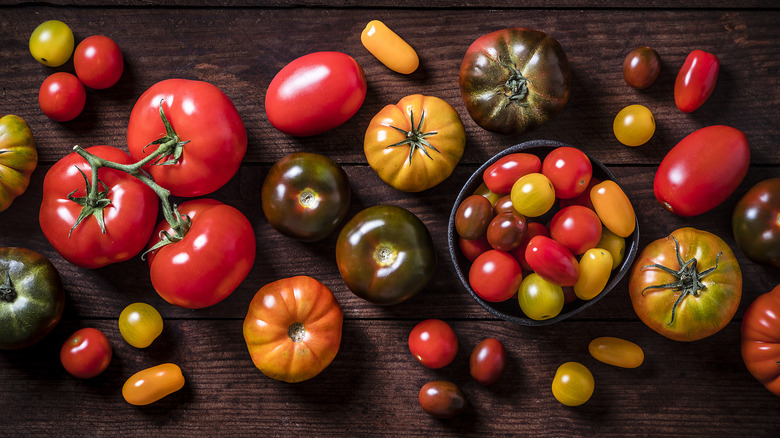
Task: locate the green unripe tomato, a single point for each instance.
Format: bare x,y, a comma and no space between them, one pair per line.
51,43
140,324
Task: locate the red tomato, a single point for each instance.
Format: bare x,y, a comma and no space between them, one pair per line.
315,93
433,343
98,62
473,248
761,339
702,170
211,260
577,228
583,198
552,261
495,276
207,129
696,80
86,353
487,361
569,170
533,229
129,212
62,97
500,176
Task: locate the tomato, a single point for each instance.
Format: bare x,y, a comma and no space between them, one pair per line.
473,216
487,361
306,196
205,138
86,353
756,222
51,43
686,286
293,328
533,195
62,97
533,229
501,175
613,243
416,143
695,80
552,261
539,299
483,190
506,231
616,351
110,227
212,259
31,297
515,79
442,399
150,385
433,343
98,62
583,198
634,125
573,384
385,254
389,48
140,324
613,208
641,67
473,248
577,228
761,339
495,276
569,171
702,170
315,93
18,158
595,269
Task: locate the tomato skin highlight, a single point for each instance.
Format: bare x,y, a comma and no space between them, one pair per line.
442,399
616,351
150,385
389,48
696,80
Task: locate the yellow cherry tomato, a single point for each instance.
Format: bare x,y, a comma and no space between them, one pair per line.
573,384
483,190
617,352
51,43
539,299
140,324
533,195
389,48
613,243
149,385
595,268
634,125
613,207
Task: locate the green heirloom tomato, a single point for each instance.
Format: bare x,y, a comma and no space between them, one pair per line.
385,254
31,297
756,223
18,158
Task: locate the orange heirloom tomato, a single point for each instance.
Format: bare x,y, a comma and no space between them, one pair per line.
416,143
18,158
617,352
389,48
761,339
613,207
293,328
149,385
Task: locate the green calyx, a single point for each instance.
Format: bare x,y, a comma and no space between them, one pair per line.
415,138
7,291
170,145
516,87
93,203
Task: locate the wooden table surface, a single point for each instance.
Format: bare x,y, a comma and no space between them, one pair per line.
698,389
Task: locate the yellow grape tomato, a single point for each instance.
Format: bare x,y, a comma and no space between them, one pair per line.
595,269
616,351
634,125
389,48
613,208
51,43
573,384
613,243
140,324
533,195
149,385
539,299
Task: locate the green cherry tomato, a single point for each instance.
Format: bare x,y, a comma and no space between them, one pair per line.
573,384
616,351
539,299
634,125
51,43
533,195
140,324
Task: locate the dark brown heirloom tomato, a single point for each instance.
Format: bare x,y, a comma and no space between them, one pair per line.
442,399
641,67
385,254
506,231
306,196
515,79
756,223
473,217
31,297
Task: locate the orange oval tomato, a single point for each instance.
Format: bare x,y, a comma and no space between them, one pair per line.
293,328
416,143
389,48
616,351
149,385
761,339
613,207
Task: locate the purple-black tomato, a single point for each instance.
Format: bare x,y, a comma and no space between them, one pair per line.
473,216
488,361
756,222
442,399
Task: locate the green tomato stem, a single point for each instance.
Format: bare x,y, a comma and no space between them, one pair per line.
7,291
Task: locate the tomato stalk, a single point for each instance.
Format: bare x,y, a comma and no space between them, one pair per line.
7,291
516,85
415,137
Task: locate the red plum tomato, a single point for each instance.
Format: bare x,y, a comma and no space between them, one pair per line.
487,361
98,62
442,399
501,175
495,276
552,261
577,228
695,80
62,97
433,343
86,353
641,67
569,170
473,216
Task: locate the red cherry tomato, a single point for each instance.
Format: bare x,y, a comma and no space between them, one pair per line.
533,229
473,248
433,343
98,62
696,80
569,170
62,97
495,276
487,361
577,228
552,261
501,175
86,353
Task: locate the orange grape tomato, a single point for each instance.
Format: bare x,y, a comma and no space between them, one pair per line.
149,385
616,351
389,48
613,207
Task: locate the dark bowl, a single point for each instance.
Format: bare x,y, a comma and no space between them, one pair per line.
510,310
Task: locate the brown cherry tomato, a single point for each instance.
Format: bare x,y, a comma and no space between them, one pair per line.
641,67
503,204
149,385
442,399
487,361
473,217
506,231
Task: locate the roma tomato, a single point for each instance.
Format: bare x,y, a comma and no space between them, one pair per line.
203,134
695,80
686,286
495,276
634,125
569,171
416,143
533,195
385,254
18,158
756,222
442,399
389,48
552,261
473,216
641,67
616,351
98,62
306,196
595,269
209,262
501,175
140,324
613,208
577,228
573,384
86,353
315,93
293,328
539,299
94,226
761,339
51,43
62,97
515,79
702,170
150,385
488,361
433,343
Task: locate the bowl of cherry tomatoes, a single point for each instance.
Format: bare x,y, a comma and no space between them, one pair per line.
540,232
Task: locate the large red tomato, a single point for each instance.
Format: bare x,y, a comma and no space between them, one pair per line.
206,136
761,339
211,260
126,207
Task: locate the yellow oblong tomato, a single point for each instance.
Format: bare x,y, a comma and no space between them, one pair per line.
595,268
616,351
18,158
389,48
416,143
149,385
293,328
613,207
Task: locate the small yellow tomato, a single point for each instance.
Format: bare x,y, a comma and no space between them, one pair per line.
595,268
51,43
634,125
613,243
616,351
140,324
539,299
389,48
483,190
149,385
533,195
573,384
613,207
